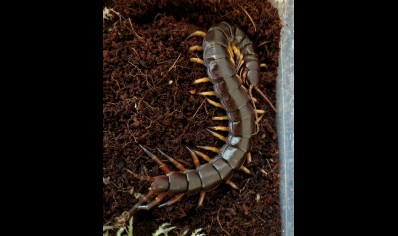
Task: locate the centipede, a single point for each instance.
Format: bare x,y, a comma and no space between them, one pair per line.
233,68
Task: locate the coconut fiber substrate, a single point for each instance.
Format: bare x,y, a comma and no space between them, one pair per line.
149,99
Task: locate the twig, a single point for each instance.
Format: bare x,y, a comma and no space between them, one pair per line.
244,186
174,63
260,217
134,30
262,43
218,219
255,29
274,168
204,100
136,52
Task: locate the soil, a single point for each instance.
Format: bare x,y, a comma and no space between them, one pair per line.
148,99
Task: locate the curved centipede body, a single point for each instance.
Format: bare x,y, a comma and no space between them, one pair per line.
231,62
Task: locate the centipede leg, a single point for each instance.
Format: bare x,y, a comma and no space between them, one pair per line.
201,80
173,200
248,158
219,128
202,155
157,160
197,60
220,118
158,199
174,161
197,164
197,33
201,198
232,184
216,104
259,111
194,157
244,169
217,135
208,148
207,93
196,48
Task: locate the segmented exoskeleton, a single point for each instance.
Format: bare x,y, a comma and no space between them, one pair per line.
231,62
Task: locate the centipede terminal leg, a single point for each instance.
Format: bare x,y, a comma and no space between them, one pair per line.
157,200
140,202
173,200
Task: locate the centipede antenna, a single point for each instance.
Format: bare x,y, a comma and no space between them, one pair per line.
250,95
208,148
156,159
265,97
247,13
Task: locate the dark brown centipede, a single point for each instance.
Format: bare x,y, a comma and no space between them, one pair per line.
231,63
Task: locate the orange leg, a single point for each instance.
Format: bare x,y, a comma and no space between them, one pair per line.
157,160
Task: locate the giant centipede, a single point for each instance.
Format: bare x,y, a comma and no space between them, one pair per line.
231,63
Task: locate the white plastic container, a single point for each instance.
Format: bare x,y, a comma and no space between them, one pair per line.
285,115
